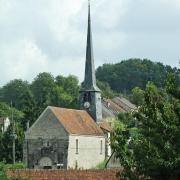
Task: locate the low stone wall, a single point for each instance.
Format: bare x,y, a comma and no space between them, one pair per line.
109,174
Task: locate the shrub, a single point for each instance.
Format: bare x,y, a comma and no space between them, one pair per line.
101,165
4,167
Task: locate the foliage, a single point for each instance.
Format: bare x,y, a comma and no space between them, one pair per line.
6,141
106,90
28,107
137,96
127,119
66,91
101,165
124,76
6,137
4,167
12,91
6,111
59,91
42,87
28,101
156,146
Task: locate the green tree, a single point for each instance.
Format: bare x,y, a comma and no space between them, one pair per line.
42,88
12,91
106,90
69,84
156,147
61,98
137,96
6,137
67,91
124,76
29,108
6,111
6,141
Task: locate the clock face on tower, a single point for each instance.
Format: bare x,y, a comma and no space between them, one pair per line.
86,105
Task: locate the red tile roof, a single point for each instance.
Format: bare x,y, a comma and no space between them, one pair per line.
104,125
77,121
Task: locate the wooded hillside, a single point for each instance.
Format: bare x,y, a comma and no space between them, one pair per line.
124,76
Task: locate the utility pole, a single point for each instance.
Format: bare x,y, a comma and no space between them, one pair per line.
13,135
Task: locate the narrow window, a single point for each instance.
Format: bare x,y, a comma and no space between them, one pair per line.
87,97
101,147
77,146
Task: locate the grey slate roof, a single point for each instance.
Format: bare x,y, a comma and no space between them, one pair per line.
112,107
90,77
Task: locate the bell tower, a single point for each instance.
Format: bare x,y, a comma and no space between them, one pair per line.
90,94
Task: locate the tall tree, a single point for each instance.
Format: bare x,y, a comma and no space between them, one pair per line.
29,108
68,90
12,91
6,141
6,111
42,87
156,147
6,138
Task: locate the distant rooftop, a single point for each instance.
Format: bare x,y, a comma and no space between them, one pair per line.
112,107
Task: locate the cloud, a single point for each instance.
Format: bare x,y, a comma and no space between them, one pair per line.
22,59
43,35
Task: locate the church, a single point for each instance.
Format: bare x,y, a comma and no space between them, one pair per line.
64,138
69,138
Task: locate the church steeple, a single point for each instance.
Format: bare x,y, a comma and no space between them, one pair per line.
90,94
90,78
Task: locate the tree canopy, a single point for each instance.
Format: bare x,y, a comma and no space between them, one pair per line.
154,151
126,75
27,101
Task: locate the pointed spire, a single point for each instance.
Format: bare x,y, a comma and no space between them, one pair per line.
90,78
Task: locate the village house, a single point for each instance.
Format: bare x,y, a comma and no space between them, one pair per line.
64,138
4,124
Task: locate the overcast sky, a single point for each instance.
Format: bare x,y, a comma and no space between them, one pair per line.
50,35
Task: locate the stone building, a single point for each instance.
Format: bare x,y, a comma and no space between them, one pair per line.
66,138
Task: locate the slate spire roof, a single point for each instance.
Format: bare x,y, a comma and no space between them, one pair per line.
90,78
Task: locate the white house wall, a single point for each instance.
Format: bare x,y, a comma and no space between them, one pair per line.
6,124
89,151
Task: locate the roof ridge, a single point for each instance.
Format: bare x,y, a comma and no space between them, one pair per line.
70,109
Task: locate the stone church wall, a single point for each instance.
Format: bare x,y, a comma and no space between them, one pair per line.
47,126
53,149
90,151
46,139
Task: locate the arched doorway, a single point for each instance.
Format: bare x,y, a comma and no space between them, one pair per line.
45,163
